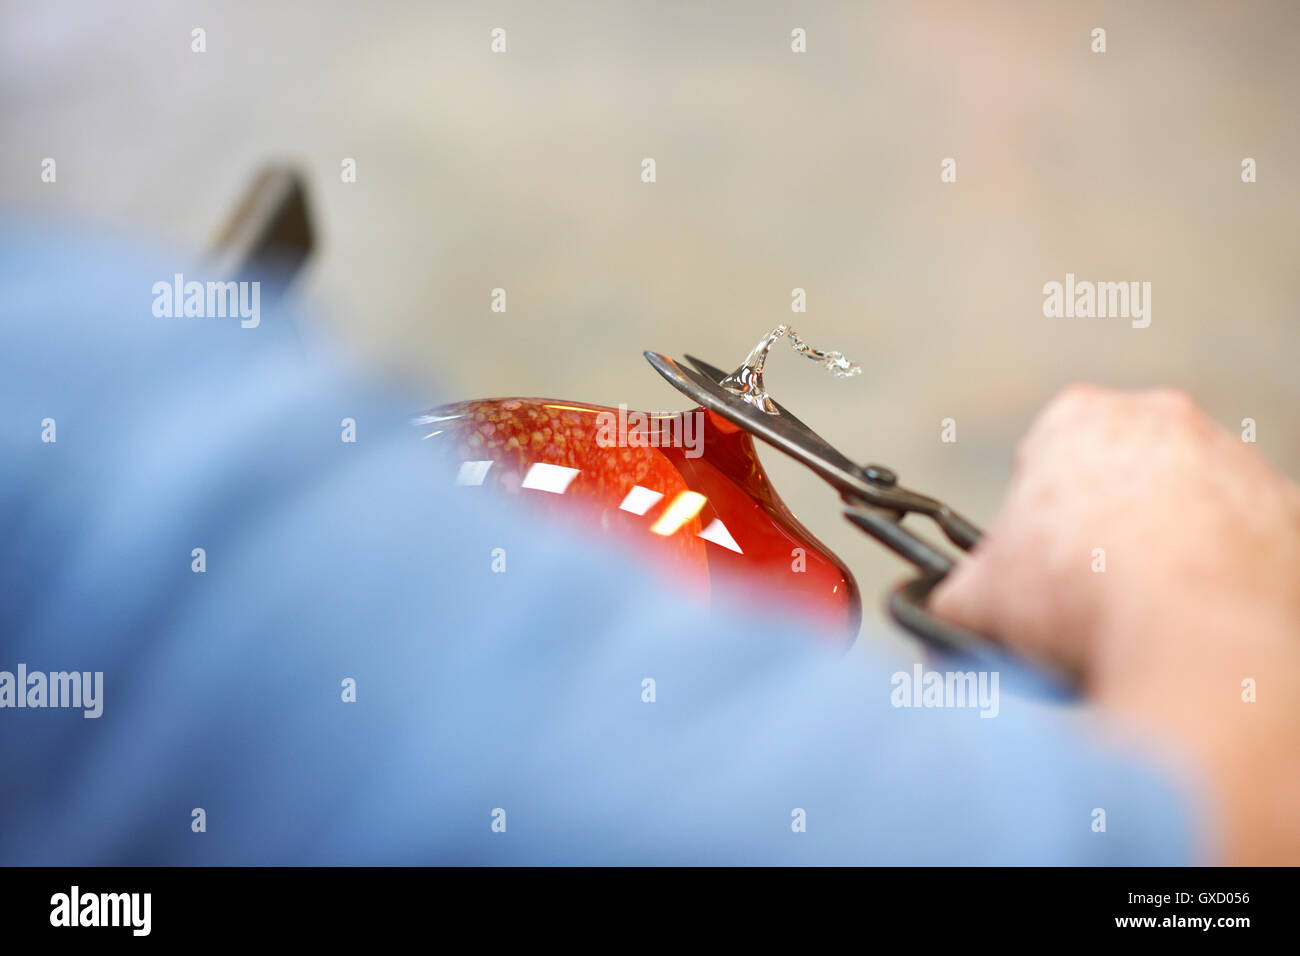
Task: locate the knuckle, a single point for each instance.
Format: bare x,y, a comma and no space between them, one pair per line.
1078,393
1175,403
1067,405
1079,397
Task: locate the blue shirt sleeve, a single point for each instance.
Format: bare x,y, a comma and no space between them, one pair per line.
499,717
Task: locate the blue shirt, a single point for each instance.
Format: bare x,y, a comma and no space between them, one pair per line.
482,698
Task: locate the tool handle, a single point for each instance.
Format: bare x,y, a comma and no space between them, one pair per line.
907,606
959,531
907,602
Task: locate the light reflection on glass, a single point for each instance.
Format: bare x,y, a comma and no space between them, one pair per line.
682,509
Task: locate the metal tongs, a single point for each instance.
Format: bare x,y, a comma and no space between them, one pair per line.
874,500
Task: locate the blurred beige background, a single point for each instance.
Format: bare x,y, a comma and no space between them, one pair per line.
775,170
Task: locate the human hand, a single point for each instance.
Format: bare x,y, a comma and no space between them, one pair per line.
1156,557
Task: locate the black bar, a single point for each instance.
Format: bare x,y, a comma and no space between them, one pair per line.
980,906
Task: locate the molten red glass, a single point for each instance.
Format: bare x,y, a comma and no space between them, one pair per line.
686,490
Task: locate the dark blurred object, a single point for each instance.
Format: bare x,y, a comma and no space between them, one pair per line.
269,236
